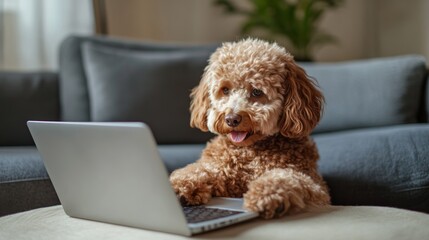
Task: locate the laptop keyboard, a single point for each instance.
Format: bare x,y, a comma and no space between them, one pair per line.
196,214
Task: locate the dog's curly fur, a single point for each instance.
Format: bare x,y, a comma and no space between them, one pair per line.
262,106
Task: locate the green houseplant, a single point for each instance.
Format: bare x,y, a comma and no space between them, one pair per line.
294,20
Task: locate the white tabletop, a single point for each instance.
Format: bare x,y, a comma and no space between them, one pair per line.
331,223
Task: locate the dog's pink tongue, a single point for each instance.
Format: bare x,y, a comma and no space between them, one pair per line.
237,136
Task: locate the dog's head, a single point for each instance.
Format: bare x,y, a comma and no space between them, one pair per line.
252,89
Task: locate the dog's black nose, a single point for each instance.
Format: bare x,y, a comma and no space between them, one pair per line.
232,119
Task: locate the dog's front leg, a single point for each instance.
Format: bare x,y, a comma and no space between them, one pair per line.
193,184
280,191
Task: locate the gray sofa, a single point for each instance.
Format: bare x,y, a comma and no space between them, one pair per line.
373,138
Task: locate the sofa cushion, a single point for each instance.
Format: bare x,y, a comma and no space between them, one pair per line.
23,97
369,93
151,87
425,99
178,156
21,163
24,182
386,166
74,91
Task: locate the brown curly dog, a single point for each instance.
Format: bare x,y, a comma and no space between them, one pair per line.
263,107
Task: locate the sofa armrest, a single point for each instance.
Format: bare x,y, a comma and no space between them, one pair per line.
23,97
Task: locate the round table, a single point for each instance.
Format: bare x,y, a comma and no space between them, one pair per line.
334,222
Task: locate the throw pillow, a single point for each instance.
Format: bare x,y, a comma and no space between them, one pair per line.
369,93
148,86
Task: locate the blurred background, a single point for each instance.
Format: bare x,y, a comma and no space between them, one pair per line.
32,30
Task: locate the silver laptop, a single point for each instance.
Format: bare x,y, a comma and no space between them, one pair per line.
112,172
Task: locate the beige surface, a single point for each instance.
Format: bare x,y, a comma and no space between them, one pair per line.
330,223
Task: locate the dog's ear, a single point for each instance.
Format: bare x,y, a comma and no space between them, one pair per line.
303,103
200,104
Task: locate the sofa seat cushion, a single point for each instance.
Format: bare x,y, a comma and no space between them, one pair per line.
386,166
331,223
370,93
24,182
21,163
178,156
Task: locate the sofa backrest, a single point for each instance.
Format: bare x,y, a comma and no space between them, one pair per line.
104,79
370,93
424,110
23,97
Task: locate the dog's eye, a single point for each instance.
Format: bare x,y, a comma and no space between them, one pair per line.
225,90
257,93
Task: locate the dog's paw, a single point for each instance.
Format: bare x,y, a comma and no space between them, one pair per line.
190,195
267,205
273,195
191,192
283,191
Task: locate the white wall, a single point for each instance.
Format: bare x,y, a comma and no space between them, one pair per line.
364,28
352,26
378,28
185,21
403,27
